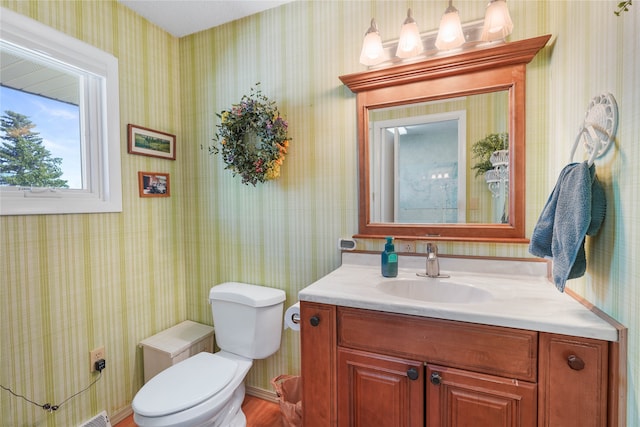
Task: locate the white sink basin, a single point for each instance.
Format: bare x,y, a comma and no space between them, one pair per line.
434,290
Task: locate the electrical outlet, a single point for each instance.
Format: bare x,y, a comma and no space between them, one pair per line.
95,355
406,247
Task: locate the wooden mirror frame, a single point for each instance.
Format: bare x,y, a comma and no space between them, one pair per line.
476,71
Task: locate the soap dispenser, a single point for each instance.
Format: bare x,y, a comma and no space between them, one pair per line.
389,259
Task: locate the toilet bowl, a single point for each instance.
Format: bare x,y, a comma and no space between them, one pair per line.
208,389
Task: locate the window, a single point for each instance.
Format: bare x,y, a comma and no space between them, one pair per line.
47,79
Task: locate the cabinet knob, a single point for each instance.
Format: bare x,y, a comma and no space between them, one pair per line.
436,379
413,374
315,320
575,362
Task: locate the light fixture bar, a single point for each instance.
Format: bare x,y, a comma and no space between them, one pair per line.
471,30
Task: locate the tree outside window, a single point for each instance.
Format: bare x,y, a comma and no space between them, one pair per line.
24,160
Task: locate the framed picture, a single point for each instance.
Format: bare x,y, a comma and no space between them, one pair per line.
149,142
154,184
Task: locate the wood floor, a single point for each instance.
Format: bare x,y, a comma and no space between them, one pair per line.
259,413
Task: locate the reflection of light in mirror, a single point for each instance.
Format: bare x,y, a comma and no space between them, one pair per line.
440,176
401,130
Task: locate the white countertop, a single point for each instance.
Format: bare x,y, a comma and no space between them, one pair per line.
521,295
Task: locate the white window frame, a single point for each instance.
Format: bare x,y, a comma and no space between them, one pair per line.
100,123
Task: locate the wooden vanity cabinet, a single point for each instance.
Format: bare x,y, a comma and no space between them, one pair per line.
367,368
457,397
573,381
318,364
378,390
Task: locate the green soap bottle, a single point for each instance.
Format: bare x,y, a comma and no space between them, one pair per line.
389,259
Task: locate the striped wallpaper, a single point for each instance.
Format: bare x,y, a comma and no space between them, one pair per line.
73,282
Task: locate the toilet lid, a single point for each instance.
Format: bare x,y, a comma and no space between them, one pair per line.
184,385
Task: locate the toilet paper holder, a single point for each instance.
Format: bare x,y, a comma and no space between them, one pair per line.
292,318
295,318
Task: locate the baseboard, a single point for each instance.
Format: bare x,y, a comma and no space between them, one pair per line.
260,393
120,415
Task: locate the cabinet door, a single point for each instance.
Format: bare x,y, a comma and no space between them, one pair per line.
458,398
379,391
573,381
318,364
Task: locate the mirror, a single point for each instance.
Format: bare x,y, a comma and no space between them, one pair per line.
417,126
424,163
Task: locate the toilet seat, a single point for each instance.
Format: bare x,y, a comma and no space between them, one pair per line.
184,385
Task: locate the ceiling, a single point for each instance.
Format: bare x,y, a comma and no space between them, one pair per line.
178,17
184,17
39,78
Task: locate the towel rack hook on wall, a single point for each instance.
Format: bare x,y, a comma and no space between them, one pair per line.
598,130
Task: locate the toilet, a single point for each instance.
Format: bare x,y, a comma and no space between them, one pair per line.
208,389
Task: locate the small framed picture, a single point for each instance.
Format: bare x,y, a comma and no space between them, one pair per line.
149,142
154,184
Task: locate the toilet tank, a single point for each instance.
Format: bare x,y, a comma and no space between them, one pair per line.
247,318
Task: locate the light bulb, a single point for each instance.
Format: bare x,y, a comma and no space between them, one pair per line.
410,43
450,33
497,21
372,52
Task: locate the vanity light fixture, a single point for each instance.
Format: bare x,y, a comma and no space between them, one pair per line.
372,51
410,43
497,21
450,34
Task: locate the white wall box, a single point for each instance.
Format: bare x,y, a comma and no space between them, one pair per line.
174,345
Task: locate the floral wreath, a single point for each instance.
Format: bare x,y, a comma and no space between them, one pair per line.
253,138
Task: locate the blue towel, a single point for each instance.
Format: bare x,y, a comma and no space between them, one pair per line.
575,208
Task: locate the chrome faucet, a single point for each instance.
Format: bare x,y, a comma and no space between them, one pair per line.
433,265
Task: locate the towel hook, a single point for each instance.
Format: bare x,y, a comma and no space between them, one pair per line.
592,143
599,127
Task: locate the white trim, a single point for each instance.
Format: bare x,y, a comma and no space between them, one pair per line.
263,394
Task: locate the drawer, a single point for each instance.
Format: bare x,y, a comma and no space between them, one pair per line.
506,352
573,381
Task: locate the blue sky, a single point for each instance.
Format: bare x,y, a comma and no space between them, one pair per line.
57,123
